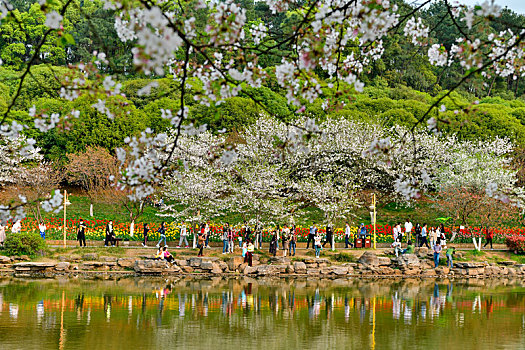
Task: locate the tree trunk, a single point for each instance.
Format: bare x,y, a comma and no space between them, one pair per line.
132,228
91,209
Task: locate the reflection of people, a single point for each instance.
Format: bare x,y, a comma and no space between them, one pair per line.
81,232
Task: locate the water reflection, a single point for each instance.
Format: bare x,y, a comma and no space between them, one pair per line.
265,313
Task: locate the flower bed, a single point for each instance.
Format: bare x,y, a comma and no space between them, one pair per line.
97,231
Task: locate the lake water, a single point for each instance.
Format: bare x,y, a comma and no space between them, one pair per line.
188,313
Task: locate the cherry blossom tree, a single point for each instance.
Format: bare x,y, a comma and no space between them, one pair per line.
214,42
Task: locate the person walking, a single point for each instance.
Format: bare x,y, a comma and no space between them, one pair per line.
201,242
81,233
2,234
395,233
449,253
183,236
311,235
145,232
424,236
162,232
110,235
224,237
249,252
489,235
408,229
207,229
329,235
285,239
293,240
437,250
231,239
273,245
317,243
348,233
42,228
417,233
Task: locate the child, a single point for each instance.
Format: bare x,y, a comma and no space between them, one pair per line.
244,250
397,247
317,244
449,252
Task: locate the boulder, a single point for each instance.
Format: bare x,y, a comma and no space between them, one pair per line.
195,262
507,263
33,266
385,271
108,258
270,270
299,267
369,259
234,263
442,270
407,260
62,266
187,269
223,266
250,270
126,262
150,266
5,259
278,260
74,258
469,264
339,270
173,269
207,265
90,256
384,261
181,262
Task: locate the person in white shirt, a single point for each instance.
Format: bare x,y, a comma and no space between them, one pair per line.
395,233
347,236
42,227
408,228
183,236
17,226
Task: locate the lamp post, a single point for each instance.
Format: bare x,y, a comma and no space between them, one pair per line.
66,203
373,216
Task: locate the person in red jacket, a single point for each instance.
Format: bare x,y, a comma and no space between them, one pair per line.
489,235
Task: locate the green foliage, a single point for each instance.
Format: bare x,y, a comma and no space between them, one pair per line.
24,243
343,257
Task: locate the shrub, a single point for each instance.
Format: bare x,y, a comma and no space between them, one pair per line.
24,243
344,257
516,243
